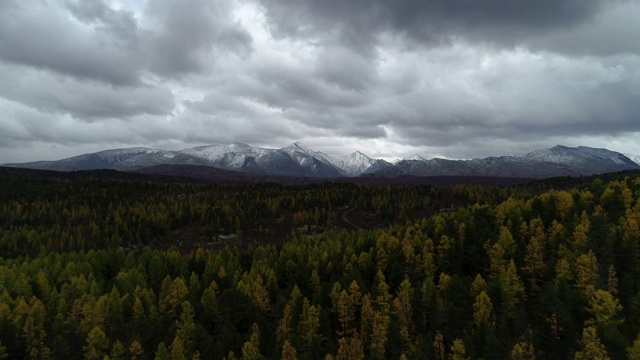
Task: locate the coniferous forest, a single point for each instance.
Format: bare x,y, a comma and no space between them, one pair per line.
138,267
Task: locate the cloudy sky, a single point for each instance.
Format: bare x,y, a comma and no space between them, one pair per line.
446,78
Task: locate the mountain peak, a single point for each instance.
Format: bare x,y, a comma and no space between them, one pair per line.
358,154
298,146
240,145
415,157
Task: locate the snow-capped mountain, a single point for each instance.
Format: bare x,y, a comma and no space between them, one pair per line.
571,156
123,159
302,161
293,160
353,164
556,161
356,163
312,160
247,158
634,157
414,157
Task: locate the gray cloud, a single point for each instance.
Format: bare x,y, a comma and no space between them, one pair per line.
454,78
188,31
84,100
90,40
433,22
48,37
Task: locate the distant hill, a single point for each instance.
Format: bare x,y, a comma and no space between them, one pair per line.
556,161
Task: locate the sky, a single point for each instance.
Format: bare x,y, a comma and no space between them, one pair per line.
455,79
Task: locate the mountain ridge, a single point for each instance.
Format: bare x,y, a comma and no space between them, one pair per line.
299,160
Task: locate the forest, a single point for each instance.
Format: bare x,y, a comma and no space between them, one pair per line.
137,267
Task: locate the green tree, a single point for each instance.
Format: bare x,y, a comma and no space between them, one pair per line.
350,349
251,348
308,325
97,344
482,308
285,326
136,350
523,350
513,292
458,351
162,353
438,346
288,351
592,348
587,273
177,293
118,351
633,351
535,258
605,307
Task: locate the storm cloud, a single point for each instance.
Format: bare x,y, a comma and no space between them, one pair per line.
454,78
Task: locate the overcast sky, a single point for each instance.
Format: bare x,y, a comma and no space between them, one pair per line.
440,78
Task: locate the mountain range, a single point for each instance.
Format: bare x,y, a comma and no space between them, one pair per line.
299,160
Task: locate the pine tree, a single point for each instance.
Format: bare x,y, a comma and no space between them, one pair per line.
251,348
97,344
477,286
587,273
458,351
535,259
350,349
404,311
438,346
580,234
285,326
506,241
309,324
118,351
177,293
523,351
513,291
136,350
162,353
288,351
592,348
604,307
482,308
633,351
366,323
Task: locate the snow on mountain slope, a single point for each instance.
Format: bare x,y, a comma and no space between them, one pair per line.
566,155
556,161
291,161
353,164
134,157
122,159
633,157
303,154
378,165
302,161
231,156
414,157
